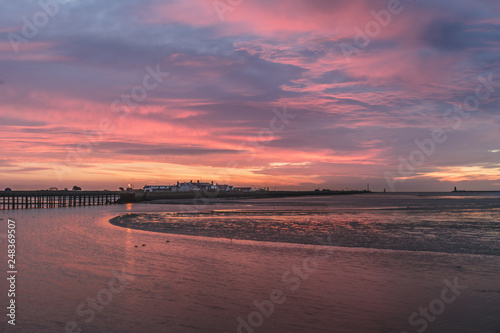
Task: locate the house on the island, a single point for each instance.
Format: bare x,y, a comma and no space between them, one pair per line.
206,186
188,187
223,187
192,187
158,188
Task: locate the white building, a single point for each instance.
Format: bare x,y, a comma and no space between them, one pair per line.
198,186
158,188
189,187
223,188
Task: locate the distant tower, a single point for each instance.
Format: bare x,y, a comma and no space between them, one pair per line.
455,189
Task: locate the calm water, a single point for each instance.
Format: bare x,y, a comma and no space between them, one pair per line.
390,258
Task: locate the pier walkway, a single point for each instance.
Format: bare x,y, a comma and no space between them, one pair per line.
52,199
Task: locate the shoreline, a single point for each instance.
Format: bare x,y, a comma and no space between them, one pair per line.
255,226
216,234
141,196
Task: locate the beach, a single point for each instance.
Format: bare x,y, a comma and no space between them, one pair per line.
438,223
190,283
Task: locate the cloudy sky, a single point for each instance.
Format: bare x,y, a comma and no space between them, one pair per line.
288,94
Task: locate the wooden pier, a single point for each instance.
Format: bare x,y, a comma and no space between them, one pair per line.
53,199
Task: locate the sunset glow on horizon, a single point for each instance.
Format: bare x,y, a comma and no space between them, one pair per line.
288,94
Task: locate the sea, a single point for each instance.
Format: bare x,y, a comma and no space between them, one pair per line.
373,262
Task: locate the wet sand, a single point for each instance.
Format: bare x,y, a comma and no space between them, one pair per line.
396,229
189,284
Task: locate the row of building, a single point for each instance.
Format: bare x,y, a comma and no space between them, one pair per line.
193,187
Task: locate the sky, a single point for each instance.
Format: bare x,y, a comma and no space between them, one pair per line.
289,94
